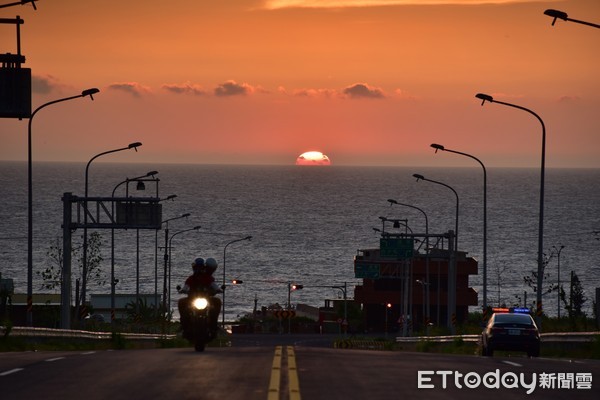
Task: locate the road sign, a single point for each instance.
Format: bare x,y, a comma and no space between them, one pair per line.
366,270
136,213
284,314
396,248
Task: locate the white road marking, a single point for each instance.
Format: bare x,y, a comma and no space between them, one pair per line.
54,359
88,353
12,371
514,364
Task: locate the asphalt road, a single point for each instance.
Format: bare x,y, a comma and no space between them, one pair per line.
267,369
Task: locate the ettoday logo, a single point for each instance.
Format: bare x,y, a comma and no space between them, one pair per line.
508,380
472,380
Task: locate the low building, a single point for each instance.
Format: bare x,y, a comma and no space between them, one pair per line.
101,304
394,292
45,309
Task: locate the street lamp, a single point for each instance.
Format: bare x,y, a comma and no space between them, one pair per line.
166,257
224,263
558,251
540,271
22,2
344,290
170,197
87,92
422,178
556,14
392,202
112,244
442,148
396,224
170,241
452,266
134,146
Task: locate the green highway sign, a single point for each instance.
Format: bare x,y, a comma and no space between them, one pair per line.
396,248
366,270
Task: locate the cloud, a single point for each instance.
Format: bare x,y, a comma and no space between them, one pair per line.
569,99
232,88
44,84
328,93
184,88
133,88
278,4
362,90
404,95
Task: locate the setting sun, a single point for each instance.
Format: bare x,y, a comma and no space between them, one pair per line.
313,158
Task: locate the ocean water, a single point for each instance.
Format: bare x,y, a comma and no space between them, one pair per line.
307,223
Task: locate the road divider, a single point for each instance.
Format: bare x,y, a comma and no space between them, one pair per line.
275,381
284,370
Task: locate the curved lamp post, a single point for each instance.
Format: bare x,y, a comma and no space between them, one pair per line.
134,146
452,266
170,241
113,282
224,261
87,92
422,178
442,148
166,258
20,3
540,269
556,14
170,197
392,202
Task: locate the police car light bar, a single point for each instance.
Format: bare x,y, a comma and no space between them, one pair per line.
515,310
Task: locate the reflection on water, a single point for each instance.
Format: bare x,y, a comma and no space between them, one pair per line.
307,223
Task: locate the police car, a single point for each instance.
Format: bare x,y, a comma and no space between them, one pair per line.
511,329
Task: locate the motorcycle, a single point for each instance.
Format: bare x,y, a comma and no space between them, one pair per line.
199,330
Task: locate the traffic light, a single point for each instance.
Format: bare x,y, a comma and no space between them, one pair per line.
297,287
237,281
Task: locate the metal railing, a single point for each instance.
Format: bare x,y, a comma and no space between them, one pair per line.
78,334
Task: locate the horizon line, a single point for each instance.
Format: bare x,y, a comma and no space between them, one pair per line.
304,166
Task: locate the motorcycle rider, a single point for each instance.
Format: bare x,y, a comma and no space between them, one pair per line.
201,280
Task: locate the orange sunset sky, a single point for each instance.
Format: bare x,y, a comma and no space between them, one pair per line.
262,81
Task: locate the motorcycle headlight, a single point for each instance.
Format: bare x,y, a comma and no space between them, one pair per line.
200,303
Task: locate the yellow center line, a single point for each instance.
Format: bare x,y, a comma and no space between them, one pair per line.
274,383
291,371
293,382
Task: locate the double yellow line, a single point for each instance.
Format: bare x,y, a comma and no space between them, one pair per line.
288,359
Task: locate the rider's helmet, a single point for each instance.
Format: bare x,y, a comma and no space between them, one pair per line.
211,265
198,264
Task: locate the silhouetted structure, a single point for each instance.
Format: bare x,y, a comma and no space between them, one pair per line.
395,283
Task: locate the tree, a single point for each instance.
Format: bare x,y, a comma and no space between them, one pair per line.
577,299
531,280
51,275
94,260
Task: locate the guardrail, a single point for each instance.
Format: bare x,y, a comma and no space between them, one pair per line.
579,337
78,334
576,337
437,339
